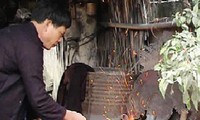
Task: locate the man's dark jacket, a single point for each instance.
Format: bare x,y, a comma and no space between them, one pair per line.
21,69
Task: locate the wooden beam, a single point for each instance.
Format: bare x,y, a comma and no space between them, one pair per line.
161,25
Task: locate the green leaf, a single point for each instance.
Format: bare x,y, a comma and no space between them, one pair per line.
179,80
186,99
182,19
163,86
184,27
195,97
157,67
163,49
195,21
198,78
196,8
198,33
188,81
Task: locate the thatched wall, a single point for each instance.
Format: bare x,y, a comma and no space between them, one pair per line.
121,46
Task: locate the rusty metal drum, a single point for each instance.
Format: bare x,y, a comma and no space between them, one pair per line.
106,93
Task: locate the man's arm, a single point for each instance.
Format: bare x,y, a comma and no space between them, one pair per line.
30,64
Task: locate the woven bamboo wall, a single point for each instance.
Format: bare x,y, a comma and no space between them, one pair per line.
121,47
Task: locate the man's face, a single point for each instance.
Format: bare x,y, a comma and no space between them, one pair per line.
53,35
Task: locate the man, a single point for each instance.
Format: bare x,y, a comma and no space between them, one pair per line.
21,64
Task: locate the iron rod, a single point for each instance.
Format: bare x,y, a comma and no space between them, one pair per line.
162,25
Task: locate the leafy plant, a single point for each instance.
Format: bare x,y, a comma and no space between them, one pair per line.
181,57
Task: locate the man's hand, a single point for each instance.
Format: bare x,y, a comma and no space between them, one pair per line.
72,115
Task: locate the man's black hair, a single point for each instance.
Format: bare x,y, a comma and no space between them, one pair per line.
54,10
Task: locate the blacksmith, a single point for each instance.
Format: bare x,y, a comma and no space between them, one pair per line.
21,64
